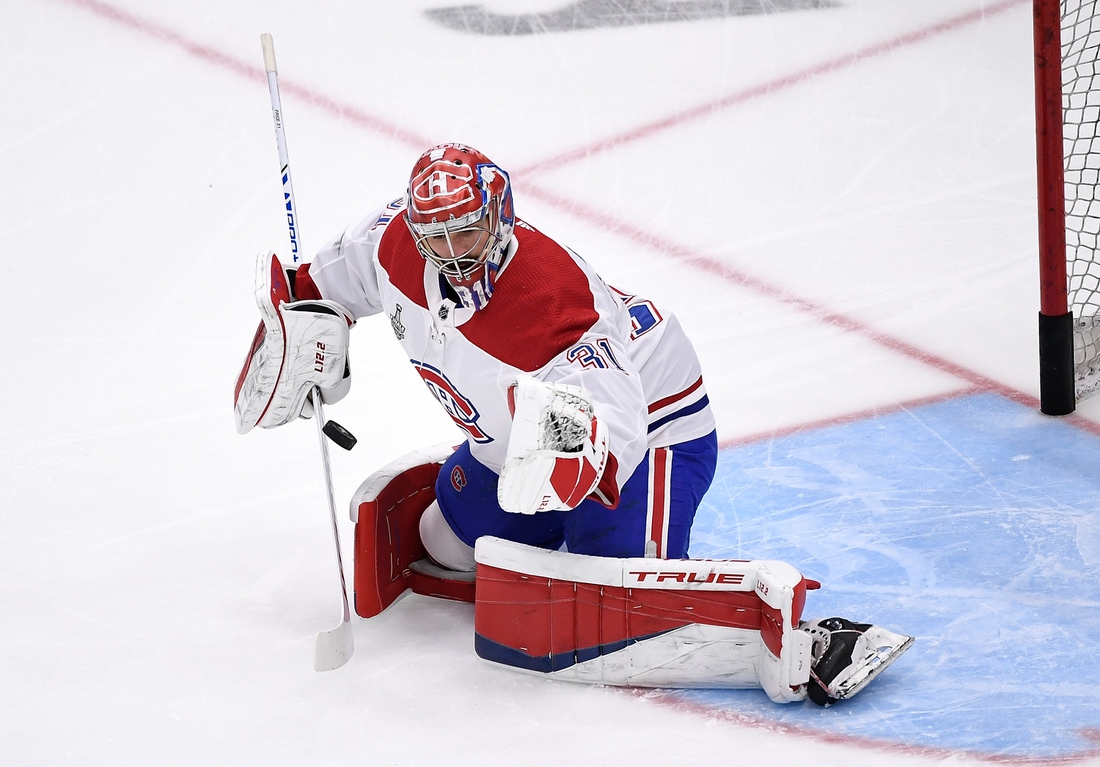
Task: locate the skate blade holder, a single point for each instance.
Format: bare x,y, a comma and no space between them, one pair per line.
879,649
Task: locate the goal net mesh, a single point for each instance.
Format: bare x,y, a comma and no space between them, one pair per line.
1081,135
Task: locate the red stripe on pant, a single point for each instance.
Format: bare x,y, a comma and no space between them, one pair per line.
660,466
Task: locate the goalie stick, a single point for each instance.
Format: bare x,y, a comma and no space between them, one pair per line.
333,648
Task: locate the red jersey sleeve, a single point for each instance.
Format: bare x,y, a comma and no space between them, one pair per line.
304,287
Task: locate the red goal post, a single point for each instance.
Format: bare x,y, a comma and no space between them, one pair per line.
1067,121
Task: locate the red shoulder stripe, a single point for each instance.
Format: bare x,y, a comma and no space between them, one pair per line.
403,263
541,305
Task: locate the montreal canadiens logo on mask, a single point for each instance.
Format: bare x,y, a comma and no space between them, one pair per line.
442,186
460,409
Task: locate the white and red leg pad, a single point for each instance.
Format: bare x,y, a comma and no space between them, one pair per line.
389,557
643,622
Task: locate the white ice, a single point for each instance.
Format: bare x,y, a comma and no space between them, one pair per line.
162,578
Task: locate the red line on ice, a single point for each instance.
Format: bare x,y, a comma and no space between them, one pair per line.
623,228
775,292
235,65
676,702
853,417
164,34
765,89
687,255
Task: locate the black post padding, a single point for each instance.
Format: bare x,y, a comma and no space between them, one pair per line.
1056,396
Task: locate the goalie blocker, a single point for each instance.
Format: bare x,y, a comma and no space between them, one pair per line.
639,622
298,345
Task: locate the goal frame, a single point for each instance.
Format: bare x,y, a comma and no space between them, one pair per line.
1056,382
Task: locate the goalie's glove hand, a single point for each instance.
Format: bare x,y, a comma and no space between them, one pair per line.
557,449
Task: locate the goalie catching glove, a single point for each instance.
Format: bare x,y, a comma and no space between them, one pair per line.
298,345
557,449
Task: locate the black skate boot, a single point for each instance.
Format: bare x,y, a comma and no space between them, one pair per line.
847,656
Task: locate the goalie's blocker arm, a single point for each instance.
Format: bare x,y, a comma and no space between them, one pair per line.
298,345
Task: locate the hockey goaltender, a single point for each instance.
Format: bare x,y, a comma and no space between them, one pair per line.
566,513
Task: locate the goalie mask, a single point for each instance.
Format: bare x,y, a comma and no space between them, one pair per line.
460,214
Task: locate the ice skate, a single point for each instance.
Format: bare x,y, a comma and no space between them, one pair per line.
847,656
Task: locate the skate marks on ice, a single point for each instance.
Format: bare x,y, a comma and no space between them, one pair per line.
592,14
973,524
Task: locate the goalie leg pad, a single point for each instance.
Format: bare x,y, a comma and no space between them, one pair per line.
642,622
389,556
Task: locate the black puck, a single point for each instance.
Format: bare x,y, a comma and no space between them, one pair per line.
339,435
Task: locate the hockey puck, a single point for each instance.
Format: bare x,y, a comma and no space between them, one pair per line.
339,435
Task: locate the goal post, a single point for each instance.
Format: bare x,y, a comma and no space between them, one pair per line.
1067,121
1056,374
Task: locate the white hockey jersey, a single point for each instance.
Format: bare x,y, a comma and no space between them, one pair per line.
550,316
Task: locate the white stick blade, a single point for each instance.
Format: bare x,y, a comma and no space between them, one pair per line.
333,648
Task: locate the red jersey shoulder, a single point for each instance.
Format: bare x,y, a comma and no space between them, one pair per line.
542,304
402,262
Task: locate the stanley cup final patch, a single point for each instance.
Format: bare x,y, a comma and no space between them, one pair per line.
395,323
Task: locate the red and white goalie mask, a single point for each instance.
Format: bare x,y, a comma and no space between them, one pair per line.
460,215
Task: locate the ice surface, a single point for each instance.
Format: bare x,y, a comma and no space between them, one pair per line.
959,523
859,179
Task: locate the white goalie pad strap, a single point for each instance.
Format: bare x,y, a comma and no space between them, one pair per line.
298,346
557,448
642,622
